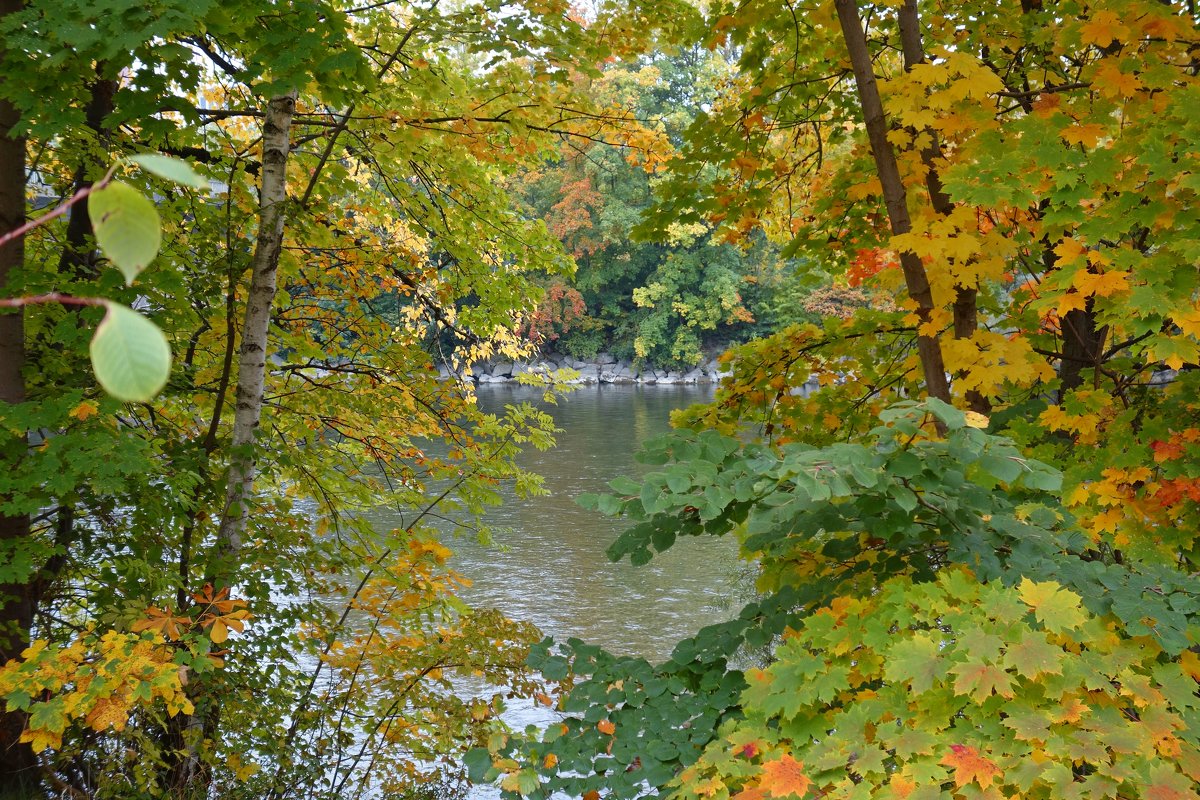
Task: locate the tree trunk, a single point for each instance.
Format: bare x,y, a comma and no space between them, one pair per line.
188,775
252,358
894,196
965,308
78,260
18,765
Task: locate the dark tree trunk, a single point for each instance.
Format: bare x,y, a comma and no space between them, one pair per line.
18,765
894,195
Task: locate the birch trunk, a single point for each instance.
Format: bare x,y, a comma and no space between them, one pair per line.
894,195
252,357
189,775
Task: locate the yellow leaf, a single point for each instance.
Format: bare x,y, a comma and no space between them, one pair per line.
41,739
1101,284
1072,301
1055,607
1103,29
970,766
785,777
219,632
1068,251
1112,82
1087,135
976,420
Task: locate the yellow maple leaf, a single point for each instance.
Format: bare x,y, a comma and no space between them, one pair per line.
1103,29
1112,82
976,420
1102,284
1087,135
39,739
1055,607
970,766
1068,251
1188,321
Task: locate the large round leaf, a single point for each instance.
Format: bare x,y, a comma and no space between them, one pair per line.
130,355
127,227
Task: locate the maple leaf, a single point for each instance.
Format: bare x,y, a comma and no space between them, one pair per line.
1055,607
1167,784
981,681
1087,135
1115,83
1103,29
84,410
1102,284
785,777
970,766
916,660
1033,655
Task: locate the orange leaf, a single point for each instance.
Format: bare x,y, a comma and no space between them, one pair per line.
970,767
84,410
785,777
606,726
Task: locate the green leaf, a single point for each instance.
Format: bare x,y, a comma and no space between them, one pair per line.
173,169
127,227
130,355
478,761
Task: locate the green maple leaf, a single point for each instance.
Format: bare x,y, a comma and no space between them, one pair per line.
918,661
1032,655
1029,725
981,681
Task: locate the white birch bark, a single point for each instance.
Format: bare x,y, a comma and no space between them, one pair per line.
252,357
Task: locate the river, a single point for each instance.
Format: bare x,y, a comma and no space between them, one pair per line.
549,566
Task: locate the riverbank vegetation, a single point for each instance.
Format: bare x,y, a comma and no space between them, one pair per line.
974,224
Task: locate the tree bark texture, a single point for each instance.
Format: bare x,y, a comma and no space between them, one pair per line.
252,357
965,309
894,195
18,764
188,776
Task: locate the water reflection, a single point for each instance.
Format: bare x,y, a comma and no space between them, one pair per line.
548,564
551,568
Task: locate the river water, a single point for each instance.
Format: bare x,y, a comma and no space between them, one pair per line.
547,564
549,567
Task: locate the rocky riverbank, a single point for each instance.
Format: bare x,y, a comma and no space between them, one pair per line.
604,368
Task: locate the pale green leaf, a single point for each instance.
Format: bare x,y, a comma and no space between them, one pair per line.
130,355
173,169
127,227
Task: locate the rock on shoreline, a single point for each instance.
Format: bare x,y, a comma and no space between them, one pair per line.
604,368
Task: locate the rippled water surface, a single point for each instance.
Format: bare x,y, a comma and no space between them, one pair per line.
550,568
548,564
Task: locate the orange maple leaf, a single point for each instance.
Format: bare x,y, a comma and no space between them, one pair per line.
970,767
785,777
